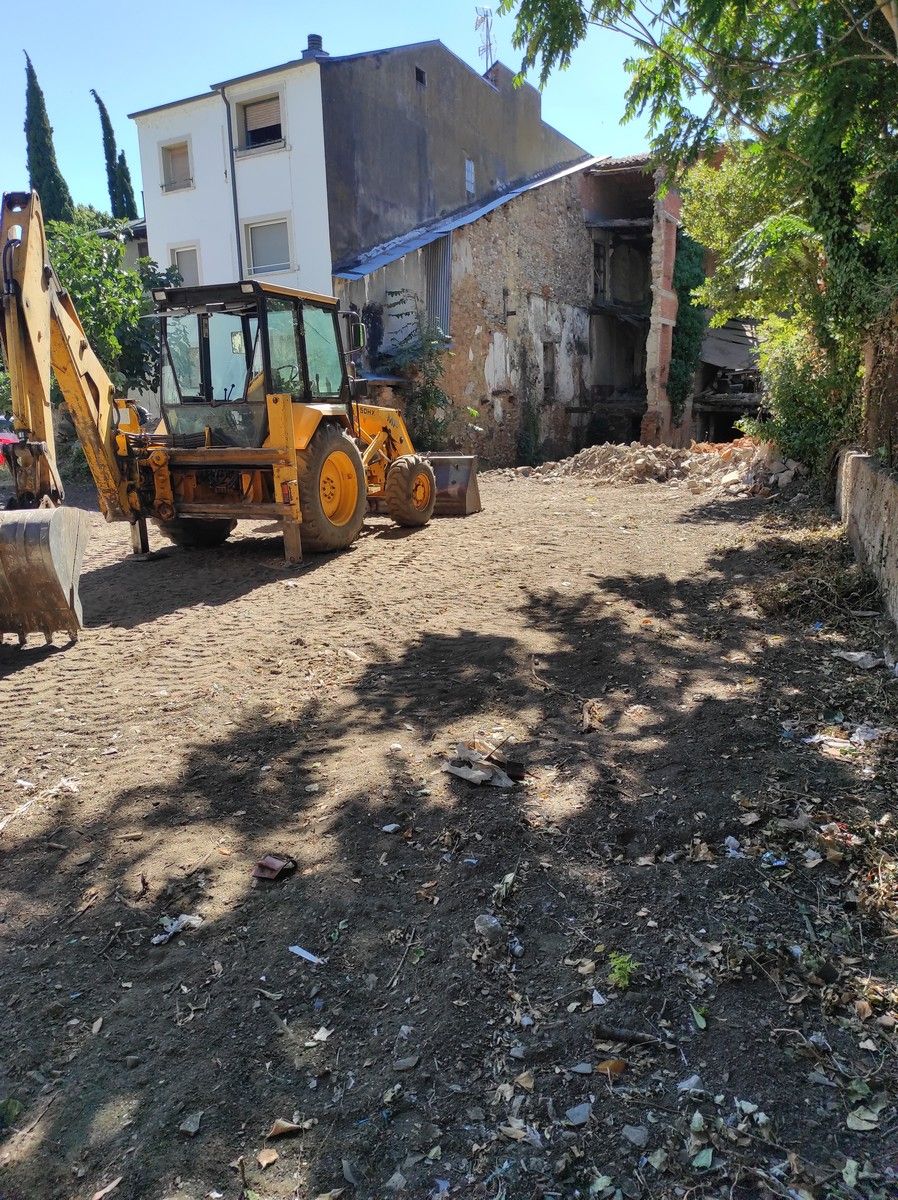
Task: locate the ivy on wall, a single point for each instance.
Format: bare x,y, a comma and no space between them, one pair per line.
686,346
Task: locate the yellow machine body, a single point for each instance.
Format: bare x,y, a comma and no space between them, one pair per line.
260,420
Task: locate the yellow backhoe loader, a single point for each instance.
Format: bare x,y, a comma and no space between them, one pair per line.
260,419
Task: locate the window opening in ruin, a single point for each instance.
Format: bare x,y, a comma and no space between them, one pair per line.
438,281
599,270
548,372
420,77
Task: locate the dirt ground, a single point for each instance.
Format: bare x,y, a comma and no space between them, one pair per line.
660,1013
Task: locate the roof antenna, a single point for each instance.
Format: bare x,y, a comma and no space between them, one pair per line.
484,24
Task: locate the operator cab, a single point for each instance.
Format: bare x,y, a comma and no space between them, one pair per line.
225,347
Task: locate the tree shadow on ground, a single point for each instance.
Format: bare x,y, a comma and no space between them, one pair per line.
641,712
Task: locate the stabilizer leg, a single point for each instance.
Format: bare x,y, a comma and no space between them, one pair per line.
292,543
140,539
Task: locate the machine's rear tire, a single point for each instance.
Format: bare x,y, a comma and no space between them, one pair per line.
410,490
197,533
332,491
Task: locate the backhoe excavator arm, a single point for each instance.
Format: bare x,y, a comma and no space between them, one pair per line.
41,541
40,330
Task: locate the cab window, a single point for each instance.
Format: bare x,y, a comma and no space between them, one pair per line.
283,346
323,352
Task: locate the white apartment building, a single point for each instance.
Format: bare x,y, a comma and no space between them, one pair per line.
287,171
234,180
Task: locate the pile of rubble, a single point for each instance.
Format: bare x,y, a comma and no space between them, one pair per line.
742,467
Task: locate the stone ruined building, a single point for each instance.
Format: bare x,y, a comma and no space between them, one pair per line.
556,301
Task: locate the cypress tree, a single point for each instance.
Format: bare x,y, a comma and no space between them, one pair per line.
109,153
44,174
125,189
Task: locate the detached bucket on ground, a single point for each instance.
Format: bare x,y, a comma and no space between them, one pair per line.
457,492
40,564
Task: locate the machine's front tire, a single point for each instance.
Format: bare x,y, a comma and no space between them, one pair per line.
197,533
332,491
410,490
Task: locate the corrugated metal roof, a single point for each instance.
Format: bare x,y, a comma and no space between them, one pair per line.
360,265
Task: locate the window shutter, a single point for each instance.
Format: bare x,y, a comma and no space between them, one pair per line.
187,262
262,115
269,246
177,164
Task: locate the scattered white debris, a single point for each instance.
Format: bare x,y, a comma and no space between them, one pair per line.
300,952
175,925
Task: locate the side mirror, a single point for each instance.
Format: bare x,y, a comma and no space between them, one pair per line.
358,333
358,388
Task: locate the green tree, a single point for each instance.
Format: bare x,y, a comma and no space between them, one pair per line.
767,258
770,265
815,86
109,154
801,216
110,299
118,177
417,356
125,189
44,174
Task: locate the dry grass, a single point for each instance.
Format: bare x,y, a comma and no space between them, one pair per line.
819,580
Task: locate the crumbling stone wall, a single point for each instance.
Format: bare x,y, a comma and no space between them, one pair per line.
531,355
521,280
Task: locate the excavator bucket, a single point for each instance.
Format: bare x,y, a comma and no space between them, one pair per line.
40,563
457,492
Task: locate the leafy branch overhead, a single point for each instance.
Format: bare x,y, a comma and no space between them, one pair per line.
814,86
778,122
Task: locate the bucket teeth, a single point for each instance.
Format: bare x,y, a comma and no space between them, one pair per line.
40,564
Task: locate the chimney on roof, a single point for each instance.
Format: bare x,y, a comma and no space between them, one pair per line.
315,48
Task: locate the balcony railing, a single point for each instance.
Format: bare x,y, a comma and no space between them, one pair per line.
267,269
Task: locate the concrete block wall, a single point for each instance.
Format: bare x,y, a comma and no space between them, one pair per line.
867,502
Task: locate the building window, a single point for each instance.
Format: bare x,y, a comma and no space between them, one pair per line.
268,247
187,262
548,372
437,279
599,270
420,77
260,123
176,167
469,178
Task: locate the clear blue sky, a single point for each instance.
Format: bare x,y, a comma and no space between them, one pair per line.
145,54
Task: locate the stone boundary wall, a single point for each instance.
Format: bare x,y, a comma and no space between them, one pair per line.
867,502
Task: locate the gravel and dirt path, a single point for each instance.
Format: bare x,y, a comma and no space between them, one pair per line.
687,1017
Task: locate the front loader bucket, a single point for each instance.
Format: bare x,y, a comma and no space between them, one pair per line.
457,492
40,563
